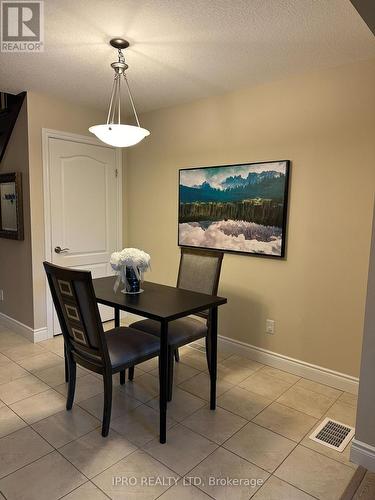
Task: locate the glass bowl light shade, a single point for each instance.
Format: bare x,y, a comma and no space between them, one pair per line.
119,135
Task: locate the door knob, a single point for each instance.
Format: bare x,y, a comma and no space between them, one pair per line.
61,250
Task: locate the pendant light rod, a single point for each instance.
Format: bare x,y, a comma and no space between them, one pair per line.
119,100
111,101
131,100
115,102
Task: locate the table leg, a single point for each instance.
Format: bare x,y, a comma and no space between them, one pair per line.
117,324
117,317
163,378
213,355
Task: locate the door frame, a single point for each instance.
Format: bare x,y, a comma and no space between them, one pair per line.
48,134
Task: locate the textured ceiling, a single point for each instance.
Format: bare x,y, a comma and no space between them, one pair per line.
182,50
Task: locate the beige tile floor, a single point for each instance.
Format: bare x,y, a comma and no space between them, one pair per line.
257,437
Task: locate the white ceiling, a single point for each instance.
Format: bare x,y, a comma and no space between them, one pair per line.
183,50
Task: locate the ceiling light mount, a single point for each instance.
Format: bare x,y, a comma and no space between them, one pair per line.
114,132
119,43
119,67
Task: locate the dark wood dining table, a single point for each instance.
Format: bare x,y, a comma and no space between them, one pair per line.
165,304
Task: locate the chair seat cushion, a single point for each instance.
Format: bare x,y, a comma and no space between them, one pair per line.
127,346
180,331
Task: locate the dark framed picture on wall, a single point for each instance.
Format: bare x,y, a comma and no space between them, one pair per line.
11,209
239,208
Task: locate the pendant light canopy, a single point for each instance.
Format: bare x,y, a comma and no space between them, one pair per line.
113,132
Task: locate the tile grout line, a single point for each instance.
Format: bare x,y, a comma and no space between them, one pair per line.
44,439
296,444
327,457
251,421
314,392
142,450
217,447
215,450
51,445
67,459
58,450
318,451
27,425
278,433
221,445
294,486
26,465
29,373
300,444
87,482
218,444
181,423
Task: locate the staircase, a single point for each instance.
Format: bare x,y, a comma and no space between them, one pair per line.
10,106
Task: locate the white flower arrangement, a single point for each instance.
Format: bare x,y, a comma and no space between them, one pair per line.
132,258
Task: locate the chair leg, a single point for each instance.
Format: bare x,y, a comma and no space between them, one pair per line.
177,356
122,377
66,366
171,358
72,381
131,373
107,379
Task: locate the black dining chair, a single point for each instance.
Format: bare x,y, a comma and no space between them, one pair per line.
199,271
84,338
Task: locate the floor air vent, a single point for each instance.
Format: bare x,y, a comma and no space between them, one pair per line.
333,434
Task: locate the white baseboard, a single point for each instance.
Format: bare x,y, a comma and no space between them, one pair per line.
29,333
316,373
307,370
41,334
363,454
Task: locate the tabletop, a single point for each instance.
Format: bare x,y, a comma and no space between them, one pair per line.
159,302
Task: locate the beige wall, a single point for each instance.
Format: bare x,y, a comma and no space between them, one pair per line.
324,123
52,113
125,213
15,256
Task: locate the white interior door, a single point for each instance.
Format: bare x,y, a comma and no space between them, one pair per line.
84,208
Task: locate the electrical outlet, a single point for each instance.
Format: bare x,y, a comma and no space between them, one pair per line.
270,326
1,295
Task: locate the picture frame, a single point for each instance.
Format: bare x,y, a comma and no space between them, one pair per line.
11,206
236,208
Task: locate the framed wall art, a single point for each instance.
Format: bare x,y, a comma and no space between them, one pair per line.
235,208
11,213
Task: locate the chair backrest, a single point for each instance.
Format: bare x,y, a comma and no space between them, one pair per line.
199,271
74,299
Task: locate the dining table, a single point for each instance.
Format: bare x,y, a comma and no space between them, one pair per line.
164,304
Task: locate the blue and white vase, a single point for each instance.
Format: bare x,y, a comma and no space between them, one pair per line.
132,281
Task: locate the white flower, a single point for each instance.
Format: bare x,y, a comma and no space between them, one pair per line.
130,257
115,261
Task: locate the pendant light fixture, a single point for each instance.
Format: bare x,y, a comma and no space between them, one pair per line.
114,132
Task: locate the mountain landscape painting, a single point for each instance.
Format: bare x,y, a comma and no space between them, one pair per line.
235,208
